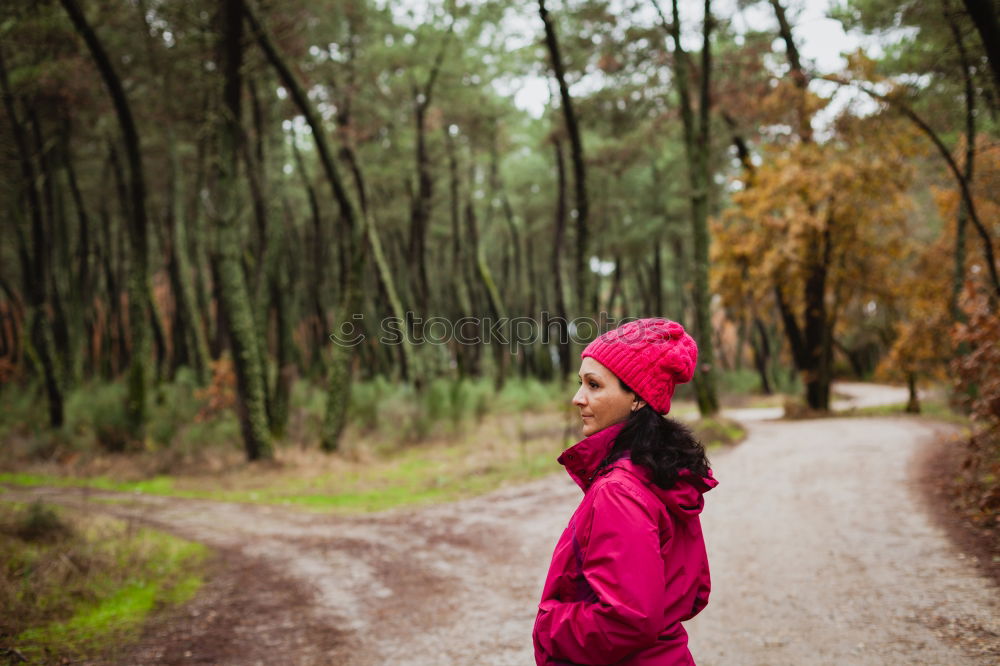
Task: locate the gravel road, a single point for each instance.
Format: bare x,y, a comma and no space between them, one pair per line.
820,552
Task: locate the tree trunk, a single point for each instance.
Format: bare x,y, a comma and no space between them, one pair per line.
485,276
984,15
181,274
762,355
583,278
420,213
33,266
263,257
558,250
697,145
138,281
342,356
798,73
57,237
233,292
82,289
961,224
816,371
317,260
913,402
281,290
159,335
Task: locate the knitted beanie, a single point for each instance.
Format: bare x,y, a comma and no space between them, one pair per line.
652,356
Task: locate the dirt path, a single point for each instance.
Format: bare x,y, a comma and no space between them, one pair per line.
820,555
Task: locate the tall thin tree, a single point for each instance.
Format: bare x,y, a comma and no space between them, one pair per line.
138,280
697,146
581,201
233,290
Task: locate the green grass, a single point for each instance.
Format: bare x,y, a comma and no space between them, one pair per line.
413,476
85,585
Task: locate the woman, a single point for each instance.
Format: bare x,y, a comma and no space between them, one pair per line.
631,565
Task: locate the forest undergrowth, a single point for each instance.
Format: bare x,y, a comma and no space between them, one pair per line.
73,584
451,440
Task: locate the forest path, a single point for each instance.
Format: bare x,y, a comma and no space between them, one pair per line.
821,553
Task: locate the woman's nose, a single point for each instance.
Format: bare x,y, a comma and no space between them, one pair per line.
578,399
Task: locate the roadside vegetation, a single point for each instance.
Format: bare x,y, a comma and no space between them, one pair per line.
74,585
451,440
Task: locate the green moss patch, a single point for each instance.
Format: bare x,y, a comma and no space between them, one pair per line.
75,585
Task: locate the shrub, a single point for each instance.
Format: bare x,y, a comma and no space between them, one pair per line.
528,394
978,382
220,394
22,405
41,523
175,405
739,382
366,398
100,409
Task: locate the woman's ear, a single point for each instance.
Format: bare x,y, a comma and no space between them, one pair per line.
637,403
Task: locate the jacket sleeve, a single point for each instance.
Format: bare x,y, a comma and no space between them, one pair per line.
624,567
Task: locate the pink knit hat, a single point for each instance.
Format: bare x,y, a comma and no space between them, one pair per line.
652,356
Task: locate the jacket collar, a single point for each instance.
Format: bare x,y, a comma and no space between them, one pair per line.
581,459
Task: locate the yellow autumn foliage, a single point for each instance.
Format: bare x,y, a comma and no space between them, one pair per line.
925,334
842,203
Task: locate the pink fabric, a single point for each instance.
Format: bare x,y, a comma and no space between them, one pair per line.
629,568
652,356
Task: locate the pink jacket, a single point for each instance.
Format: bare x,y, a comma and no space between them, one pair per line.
629,568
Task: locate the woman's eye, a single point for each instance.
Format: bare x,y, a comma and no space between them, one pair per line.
593,385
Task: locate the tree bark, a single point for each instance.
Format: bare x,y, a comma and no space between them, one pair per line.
280,286
139,265
317,258
466,355
33,264
583,278
420,213
798,73
57,239
761,355
233,291
913,401
962,221
561,320
817,328
82,289
485,276
697,144
181,271
984,15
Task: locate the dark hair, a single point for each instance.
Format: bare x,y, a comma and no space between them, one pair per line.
661,444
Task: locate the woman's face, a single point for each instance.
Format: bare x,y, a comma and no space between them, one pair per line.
601,399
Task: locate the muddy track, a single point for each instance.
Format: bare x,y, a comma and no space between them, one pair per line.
820,555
